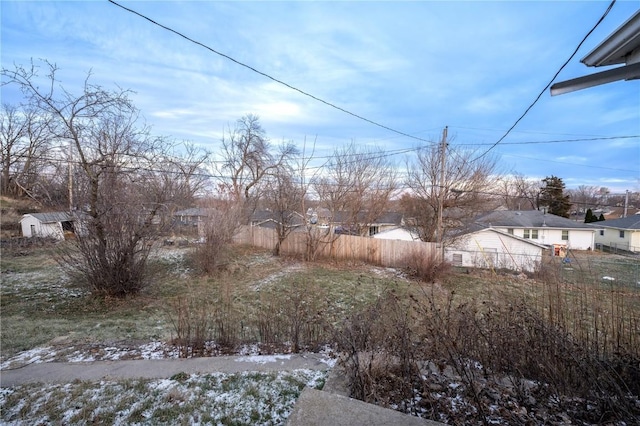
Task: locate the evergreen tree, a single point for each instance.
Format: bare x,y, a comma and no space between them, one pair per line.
601,218
552,196
588,218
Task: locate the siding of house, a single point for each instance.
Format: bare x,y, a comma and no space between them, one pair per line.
611,238
578,239
395,234
32,227
490,249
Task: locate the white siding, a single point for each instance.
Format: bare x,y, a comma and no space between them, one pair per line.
611,237
579,239
492,249
32,227
396,234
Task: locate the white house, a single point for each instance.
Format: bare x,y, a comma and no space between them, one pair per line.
399,233
542,228
621,234
46,225
486,247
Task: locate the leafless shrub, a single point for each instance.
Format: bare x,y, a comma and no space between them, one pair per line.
379,355
192,321
293,315
426,267
206,324
216,233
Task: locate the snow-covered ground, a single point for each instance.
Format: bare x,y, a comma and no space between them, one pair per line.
217,399
238,398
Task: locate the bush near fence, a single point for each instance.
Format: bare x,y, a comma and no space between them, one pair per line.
391,253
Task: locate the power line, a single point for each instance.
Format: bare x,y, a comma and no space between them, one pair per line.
267,75
550,82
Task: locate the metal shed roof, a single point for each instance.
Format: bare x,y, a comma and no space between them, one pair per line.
51,217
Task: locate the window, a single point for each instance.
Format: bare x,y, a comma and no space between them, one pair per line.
534,234
457,259
601,232
373,230
565,235
621,234
510,231
525,234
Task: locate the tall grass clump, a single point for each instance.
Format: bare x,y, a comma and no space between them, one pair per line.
218,318
427,268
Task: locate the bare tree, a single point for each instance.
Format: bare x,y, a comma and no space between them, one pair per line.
283,199
358,186
518,192
25,138
458,193
588,197
180,179
115,159
249,157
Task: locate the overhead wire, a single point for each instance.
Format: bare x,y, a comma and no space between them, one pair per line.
269,76
493,145
549,84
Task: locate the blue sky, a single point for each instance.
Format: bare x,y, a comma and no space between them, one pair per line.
411,66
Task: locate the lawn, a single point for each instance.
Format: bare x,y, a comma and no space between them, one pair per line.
40,305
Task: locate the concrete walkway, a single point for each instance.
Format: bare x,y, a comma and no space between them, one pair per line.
331,406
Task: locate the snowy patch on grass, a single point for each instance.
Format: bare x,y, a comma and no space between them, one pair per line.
88,353
262,359
242,398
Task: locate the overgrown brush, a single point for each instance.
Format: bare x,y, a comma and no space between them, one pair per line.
378,350
574,346
290,317
428,268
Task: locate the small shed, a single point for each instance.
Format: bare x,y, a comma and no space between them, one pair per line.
47,225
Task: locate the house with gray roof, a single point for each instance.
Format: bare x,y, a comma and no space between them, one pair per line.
541,227
619,234
47,225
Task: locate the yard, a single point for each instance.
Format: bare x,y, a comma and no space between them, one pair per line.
263,304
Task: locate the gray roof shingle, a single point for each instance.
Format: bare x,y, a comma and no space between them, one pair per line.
529,219
629,222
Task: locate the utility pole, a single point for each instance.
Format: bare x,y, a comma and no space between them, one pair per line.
626,203
70,183
443,164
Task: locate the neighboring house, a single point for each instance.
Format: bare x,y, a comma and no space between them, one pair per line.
47,225
542,228
269,219
398,233
191,217
622,234
485,247
342,222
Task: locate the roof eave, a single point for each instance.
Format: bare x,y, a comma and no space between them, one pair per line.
626,72
616,48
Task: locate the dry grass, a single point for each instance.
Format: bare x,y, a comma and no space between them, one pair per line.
256,298
578,339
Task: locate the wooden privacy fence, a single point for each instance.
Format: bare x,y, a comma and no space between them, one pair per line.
393,253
